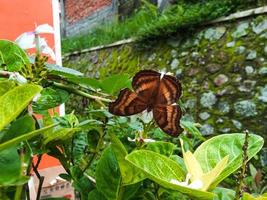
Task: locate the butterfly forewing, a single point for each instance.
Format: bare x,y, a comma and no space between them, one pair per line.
152,92
168,118
127,103
145,83
169,90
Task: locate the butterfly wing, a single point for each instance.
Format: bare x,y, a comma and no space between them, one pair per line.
168,118
127,103
169,90
145,83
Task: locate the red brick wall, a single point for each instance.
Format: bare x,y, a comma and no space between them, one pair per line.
76,10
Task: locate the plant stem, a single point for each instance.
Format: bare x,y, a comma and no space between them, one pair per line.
18,192
81,93
239,189
41,178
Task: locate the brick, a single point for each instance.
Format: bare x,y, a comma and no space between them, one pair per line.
81,9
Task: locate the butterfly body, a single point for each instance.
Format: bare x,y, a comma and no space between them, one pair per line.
152,92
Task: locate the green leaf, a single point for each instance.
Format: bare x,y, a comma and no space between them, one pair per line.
64,71
247,196
163,148
108,178
50,98
21,126
59,135
163,170
130,174
14,101
27,136
85,81
5,86
224,193
115,83
129,191
191,128
156,165
10,165
213,150
12,55
96,195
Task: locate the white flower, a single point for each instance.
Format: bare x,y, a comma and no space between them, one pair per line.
46,49
147,140
44,28
146,117
36,97
17,77
200,179
28,40
197,184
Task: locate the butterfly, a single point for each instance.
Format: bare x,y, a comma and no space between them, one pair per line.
152,92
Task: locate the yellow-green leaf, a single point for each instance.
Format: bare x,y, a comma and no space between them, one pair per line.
14,101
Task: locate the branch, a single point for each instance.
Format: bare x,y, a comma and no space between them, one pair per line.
81,93
5,74
41,178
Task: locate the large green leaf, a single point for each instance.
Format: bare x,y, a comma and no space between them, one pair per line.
115,83
96,195
161,147
130,174
224,193
213,150
27,136
5,86
108,178
14,101
10,165
12,55
59,135
21,126
163,171
247,196
50,98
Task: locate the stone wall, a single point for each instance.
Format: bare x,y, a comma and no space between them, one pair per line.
222,67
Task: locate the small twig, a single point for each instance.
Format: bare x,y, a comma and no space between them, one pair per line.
5,74
41,178
239,189
81,93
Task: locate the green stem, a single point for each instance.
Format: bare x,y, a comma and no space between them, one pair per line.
37,42
18,192
81,93
27,136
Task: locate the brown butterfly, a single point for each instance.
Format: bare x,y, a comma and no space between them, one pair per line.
152,92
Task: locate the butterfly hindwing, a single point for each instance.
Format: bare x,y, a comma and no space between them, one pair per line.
145,83
168,118
127,103
169,90
152,92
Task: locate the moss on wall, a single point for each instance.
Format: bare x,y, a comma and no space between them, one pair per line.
223,69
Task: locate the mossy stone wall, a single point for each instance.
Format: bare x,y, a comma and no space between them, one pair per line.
223,70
